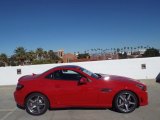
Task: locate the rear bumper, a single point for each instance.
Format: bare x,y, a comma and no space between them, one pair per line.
20,107
19,99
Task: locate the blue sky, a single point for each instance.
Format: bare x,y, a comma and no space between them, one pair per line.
78,25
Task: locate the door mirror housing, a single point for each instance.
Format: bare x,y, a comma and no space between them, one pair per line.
83,80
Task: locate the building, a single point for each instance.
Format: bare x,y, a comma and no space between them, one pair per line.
69,57
60,53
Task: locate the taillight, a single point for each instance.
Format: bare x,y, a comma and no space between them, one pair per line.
19,87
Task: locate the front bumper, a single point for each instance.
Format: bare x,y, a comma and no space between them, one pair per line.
143,98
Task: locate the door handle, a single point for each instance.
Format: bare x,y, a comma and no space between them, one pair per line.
106,90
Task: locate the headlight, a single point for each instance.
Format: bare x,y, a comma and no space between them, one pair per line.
142,87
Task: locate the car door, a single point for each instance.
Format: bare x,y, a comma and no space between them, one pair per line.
64,87
66,90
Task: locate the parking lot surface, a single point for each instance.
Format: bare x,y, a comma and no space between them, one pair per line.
9,111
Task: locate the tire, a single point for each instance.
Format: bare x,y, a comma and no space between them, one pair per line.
125,102
36,104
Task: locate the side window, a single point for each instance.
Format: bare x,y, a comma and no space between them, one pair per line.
65,75
57,75
71,75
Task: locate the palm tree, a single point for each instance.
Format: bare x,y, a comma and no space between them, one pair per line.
12,61
114,50
53,57
4,59
121,50
106,50
128,48
131,49
111,50
147,47
45,55
95,50
118,50
20,54
31,56
39,53
88,51
124,49
50,53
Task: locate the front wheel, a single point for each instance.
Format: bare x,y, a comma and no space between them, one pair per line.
36,104
125,102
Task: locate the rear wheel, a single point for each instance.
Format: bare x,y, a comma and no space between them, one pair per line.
36,104
125,102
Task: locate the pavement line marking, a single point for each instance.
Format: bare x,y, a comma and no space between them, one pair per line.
8,114
7,110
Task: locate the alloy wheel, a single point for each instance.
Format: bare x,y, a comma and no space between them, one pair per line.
126,102
36,104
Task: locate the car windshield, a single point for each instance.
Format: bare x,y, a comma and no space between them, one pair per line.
89,73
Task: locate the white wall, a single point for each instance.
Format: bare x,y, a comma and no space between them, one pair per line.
126,67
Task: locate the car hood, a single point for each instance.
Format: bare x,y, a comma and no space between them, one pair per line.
116,78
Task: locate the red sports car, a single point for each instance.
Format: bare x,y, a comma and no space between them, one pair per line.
73,86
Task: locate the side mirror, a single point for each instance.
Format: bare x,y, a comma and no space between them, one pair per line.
83,80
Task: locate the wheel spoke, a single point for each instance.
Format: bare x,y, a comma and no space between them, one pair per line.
129,96
122,98
41,104
127,107
38,98
32,107
32,101
38,109
131,103
120,105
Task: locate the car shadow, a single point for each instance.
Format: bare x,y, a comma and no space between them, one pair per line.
74,108
79,108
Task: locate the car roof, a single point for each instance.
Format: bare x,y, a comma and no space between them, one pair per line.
69,66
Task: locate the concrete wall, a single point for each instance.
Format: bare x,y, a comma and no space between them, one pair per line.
127,67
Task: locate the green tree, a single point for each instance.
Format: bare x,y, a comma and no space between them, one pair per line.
45,55
122,56
131,49
125,49
152,52
53,57
128,48
118,50
20,54
12,61
83,56
31,56
114,50
4,59
122,50
39,53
